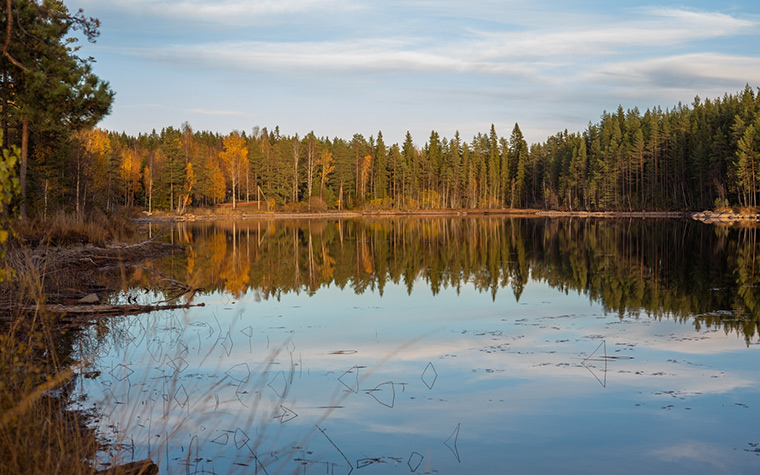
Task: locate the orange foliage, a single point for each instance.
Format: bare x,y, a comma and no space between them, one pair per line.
235,158
131,174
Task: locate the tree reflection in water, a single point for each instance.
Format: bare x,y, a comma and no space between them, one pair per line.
442,345
689,271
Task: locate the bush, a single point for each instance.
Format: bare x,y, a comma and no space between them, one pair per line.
317,204
721,205
299,207
379,203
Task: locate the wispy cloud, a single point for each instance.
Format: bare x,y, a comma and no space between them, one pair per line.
234,12
219,112
534,54
144,106
370,55
656,28
694,70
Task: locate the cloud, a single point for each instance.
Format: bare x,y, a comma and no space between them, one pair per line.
219,112
536,55
232,12
656,29
143,106
361,57
692,70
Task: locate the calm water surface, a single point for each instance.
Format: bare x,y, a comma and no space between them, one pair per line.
441,346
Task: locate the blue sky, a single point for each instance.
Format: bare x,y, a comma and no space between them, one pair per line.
360,66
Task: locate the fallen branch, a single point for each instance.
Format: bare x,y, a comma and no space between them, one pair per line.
103,310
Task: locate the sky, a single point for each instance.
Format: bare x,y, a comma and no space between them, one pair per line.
342,67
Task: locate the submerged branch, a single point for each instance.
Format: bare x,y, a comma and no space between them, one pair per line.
107,309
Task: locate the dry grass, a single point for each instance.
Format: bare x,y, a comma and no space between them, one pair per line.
35,256
39,433
64,229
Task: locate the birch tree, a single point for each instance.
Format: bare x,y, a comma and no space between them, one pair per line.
235,158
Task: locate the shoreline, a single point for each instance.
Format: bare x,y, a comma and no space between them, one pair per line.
213,215
727,217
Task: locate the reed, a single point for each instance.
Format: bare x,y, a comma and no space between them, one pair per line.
39,432
66,229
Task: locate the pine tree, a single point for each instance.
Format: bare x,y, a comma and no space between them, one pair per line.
748,162
519,161
380,188
410,181
46,86
495,178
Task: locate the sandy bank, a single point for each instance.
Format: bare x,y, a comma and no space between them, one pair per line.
504,212
713,217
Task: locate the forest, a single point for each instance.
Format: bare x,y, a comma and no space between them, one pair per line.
704,155
688,157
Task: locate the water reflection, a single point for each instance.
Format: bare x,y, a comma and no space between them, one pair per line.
691,271
442,346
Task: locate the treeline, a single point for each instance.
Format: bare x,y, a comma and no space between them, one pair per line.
699,156
662,268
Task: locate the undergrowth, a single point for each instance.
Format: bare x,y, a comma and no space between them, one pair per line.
39,433
65,229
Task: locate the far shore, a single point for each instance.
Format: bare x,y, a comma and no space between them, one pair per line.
205,214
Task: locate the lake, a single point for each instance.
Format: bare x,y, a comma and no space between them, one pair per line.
438,345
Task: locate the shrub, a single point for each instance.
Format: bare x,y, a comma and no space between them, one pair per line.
379,203
721,205
298,207
317,204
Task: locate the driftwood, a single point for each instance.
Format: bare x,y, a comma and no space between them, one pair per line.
76,313
104,309
91,256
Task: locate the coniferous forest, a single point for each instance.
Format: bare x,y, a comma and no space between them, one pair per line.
687,157
696,156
